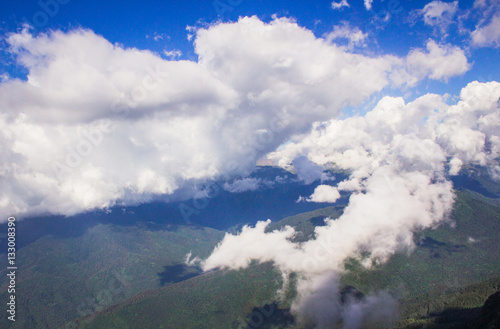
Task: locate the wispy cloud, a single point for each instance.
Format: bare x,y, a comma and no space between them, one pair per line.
368,4
339,5
354,36
172,53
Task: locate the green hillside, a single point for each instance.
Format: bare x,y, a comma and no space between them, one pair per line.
64,278
449,269
210,301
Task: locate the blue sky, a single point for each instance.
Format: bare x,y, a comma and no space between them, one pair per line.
393,26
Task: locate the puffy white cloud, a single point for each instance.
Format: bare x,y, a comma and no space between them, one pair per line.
324,193
489,34
439,62
339,5
257,245
439,14
79,77
380,221
426,129
468,131
96,124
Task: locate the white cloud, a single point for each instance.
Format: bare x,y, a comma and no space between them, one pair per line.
324,193
339,5
488,35
354,36
368,4
439,14
96,123
439,62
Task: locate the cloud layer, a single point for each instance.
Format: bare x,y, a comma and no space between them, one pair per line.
96,124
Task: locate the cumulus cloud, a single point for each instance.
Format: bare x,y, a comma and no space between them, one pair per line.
439,14
96,124
396,155
324,193
426,129
439,62
339,5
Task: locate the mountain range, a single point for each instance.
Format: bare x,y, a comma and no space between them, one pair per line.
129,267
